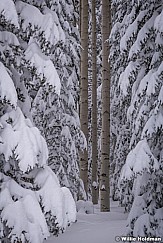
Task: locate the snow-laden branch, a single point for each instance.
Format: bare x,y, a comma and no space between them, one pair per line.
8,10
7,88
139,159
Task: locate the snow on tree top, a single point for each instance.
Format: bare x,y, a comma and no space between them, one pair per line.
44,66
7,9
7,88
35,19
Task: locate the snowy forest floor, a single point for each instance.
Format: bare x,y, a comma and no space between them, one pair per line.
95,228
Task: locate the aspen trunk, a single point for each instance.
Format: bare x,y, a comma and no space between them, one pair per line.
80,16
105,139
94,107
84,91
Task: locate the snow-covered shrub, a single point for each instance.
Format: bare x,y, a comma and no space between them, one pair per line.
84,207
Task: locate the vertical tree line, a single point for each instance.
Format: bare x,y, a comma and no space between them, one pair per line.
105,130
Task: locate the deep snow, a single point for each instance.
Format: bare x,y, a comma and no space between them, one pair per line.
95,228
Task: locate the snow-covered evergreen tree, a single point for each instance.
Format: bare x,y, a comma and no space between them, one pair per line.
64,126
32,203
72,137
140,81
59,50
120,134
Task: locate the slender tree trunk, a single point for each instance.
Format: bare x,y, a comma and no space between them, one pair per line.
105,139
94,107
84,91
80,15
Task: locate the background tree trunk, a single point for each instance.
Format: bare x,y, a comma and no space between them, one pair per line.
105,139
84,91
94,107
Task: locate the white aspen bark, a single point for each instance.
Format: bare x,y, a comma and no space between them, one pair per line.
94,107
105,139
84,91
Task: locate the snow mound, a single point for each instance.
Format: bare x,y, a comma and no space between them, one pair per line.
84,207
